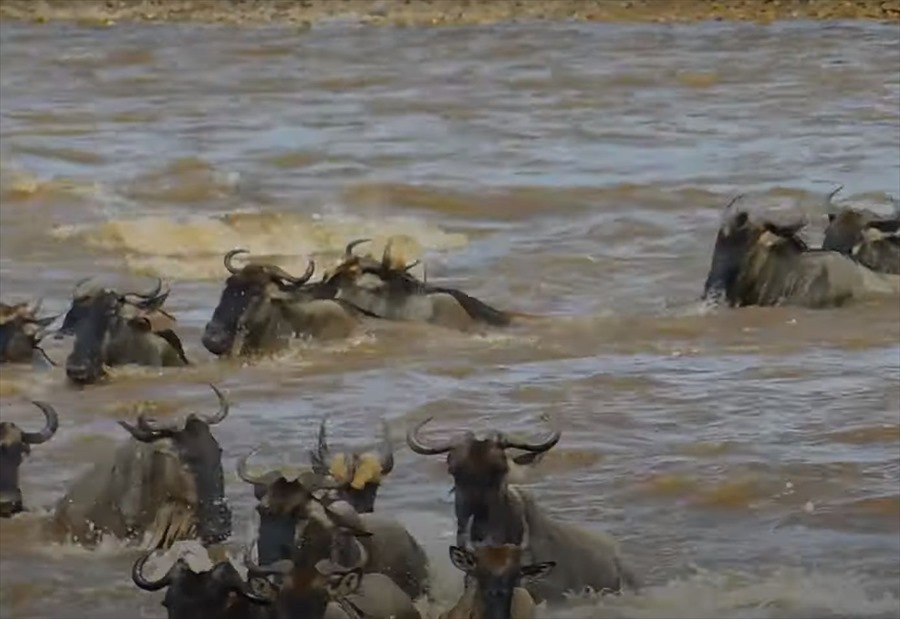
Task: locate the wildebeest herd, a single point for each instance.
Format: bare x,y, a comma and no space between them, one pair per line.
322,549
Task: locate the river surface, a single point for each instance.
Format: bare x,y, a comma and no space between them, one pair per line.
747,460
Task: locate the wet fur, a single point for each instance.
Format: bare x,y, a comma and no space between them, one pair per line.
120,496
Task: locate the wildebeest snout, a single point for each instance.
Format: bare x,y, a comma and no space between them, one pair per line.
216,339
83,372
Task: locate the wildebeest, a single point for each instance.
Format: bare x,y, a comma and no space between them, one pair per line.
168,481
263,306
388,290
218,593
498,574
758,262
865,237
298,521
15,444
114,329
489,509
359,474
21,332
328,590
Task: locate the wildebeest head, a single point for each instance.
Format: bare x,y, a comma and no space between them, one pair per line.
21,331
307,590
219,593
479,468
246,305
392,265
292,513
359,474
871,240
497,571
187,476
97,315
15,444
740,243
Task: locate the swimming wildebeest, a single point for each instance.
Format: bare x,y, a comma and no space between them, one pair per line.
758,262
359,474
119,329
300,522
870,240
388,290
489,509
15,444
21,332
327,590
263,306
218,593
497,573
168,481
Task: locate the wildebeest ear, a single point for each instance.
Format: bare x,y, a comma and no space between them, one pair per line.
345,583
462,559
537,571
157,320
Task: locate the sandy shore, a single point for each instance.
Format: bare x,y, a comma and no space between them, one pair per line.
437,12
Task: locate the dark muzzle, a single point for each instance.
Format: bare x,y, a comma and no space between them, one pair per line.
217,340
84,373
10,503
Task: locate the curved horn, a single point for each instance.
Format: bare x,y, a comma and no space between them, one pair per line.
387,449
832,194
542,446
141,432
412,265
348,251
230,256
51,424
137,574
386,255
416,444
319,456
242,469
280,273
153,294
224,407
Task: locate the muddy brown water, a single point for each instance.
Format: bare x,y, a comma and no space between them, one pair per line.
748,461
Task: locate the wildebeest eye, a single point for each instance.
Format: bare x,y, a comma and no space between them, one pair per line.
740,220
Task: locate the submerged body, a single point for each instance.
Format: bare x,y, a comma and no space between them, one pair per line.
756,262
166,481
262,308
386,289
113,329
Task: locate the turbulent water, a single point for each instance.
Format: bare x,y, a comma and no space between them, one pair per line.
747,460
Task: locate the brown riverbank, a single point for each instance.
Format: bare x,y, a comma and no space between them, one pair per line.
436,12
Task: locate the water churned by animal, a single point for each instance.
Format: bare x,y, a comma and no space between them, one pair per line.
746,460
